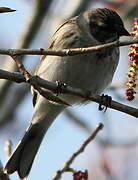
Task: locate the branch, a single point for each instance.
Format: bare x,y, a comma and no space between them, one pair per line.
8,148
66,52
78,152
3,176
6,9
39,10
46,94
37,81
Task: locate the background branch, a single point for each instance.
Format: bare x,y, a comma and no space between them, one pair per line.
39,9
8,148
6,9
3,176
77,153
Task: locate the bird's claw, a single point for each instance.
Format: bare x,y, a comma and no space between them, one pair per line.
60,85
104,99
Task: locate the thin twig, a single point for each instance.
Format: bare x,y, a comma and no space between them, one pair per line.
3,176
6,9
78,152
27,75
35,80
67,52
8,148
21,67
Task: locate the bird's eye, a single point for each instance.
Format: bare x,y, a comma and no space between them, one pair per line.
103,26
102,30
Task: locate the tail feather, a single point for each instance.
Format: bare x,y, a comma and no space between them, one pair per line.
13,161
22,158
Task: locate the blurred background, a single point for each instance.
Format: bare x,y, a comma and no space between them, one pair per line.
113,155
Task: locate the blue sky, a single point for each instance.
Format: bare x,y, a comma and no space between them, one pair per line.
63,138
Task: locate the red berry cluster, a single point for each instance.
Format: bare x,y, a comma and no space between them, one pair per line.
79,175
133,64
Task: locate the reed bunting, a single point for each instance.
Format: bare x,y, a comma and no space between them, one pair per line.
93,72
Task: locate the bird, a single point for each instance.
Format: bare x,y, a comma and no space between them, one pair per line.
92,72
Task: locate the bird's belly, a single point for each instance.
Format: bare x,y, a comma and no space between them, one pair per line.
85,71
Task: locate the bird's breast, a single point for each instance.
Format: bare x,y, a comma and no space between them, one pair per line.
93,71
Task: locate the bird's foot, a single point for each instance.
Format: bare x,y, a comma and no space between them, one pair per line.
104,99
60,86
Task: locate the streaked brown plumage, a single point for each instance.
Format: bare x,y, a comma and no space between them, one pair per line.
93,72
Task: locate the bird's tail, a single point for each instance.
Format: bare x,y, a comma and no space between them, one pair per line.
22,158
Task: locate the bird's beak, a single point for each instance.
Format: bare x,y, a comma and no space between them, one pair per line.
124,32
